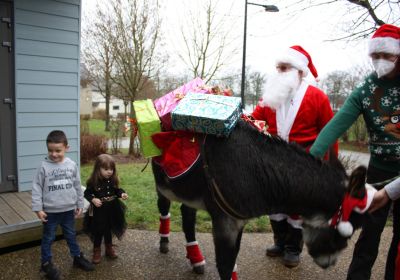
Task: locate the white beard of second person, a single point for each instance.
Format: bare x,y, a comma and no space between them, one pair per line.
280,88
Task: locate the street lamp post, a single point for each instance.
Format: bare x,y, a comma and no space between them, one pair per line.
268,8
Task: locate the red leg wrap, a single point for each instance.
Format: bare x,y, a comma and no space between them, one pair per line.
194,255
164,227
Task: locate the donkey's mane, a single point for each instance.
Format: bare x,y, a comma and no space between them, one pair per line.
261,174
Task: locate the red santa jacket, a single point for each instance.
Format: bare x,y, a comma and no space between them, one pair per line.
313,114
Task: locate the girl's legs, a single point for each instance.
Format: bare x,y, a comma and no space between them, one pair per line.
110,252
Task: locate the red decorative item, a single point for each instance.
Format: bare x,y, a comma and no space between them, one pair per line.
194,254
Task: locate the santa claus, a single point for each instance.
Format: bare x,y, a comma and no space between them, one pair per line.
297,112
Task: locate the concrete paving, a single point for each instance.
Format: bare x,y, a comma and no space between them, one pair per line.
139,259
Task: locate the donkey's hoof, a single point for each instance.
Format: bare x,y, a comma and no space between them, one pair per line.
198,269
164,247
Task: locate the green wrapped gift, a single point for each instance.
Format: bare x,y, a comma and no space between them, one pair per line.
148,124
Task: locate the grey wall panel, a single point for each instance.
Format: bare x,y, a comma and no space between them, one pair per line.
36,148
49,7
45,20
46,49
47,35
51,106
28,62
47,119
40,133
47,78
47,91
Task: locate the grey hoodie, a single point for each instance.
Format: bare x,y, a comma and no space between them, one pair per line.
57,187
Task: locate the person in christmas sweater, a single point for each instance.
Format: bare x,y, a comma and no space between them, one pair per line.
377,98
297,112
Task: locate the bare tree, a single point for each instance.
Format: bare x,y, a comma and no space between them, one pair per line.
207,40
98,56
365,15
134,45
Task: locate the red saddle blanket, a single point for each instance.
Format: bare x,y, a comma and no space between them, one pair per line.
180,151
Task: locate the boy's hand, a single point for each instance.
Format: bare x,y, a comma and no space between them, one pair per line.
96,202
42,216
124,196
78,212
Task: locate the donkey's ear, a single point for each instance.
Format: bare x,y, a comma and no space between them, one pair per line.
356,187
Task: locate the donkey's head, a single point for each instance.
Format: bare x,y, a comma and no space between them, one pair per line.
325,237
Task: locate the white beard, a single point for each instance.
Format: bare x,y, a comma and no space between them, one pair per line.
280,89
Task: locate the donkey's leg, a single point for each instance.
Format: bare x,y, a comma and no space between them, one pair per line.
193,252
164,204
227,233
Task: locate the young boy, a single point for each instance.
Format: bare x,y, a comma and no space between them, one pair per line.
57,198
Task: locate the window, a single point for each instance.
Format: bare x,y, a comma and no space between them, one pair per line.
116,107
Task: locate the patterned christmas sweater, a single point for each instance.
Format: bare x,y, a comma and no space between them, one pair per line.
378,100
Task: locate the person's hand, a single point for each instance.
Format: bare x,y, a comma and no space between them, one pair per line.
78,212
42,216
380,199
96,202
124,196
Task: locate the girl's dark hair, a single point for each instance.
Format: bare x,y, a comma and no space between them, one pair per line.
57,136
104,161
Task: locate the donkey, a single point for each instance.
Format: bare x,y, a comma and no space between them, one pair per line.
250,174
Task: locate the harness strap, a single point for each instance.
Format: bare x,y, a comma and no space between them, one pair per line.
215,190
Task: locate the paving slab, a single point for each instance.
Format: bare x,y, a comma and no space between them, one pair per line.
139,259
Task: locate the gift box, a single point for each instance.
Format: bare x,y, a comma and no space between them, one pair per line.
166,103
207,113
148,124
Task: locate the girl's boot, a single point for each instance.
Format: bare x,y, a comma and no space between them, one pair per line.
96,255
110,252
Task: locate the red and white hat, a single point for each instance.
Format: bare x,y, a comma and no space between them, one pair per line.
386,39
300,59
349,204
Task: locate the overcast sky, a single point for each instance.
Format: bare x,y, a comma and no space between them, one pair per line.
268,33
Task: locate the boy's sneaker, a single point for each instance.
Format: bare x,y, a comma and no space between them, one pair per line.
82,263
51,272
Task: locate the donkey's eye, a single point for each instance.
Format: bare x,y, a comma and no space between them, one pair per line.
395,119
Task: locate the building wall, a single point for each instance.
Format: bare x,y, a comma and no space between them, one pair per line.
86,101
117,105
47,42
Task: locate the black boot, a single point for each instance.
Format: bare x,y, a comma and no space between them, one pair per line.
293,247
82,263
51,272
279,229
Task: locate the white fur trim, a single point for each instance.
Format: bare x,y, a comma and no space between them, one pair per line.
345,229
165,217
370,195
203,262
278,217
296,59
384,44
295,223
235,268
164,235
192,243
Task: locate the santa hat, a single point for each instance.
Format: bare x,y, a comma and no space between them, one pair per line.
386,39
341,218
300,59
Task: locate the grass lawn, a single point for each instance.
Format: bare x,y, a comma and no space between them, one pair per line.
96,127
142,210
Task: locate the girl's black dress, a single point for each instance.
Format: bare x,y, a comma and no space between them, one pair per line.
110,216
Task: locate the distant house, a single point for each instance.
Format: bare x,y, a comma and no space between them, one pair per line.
117,106
39,89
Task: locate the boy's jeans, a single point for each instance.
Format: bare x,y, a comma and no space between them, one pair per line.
67,222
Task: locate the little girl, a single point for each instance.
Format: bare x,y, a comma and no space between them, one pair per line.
106,214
